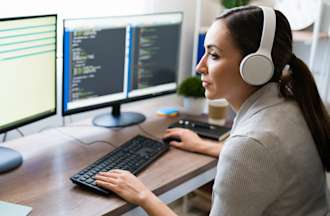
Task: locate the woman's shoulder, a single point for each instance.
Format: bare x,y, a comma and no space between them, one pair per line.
279,126
245,145
261,136
262,146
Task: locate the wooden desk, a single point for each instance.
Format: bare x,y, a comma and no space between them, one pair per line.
53,156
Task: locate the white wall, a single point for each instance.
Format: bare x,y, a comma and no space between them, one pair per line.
97,8
210,10
321,65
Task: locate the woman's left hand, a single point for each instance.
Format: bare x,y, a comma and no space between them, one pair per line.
125,184
189,140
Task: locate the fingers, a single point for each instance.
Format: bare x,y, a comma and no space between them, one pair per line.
106,185
119,171
176,144
177,132
107,174
110,180
106,178
113,172
173,132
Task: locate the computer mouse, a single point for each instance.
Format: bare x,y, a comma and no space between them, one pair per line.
171,138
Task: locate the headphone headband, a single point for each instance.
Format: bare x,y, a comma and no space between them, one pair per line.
258,68
268,30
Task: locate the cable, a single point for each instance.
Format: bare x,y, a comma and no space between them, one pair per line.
45,128
20,132
72,126
4,137
86,143
147,133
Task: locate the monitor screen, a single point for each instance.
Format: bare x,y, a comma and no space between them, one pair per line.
154,54
115,60
28,70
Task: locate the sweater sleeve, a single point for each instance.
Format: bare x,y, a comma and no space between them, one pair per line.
247,180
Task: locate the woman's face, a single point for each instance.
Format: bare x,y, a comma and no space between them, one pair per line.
220,64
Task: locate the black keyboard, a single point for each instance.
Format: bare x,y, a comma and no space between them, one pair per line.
203,129
134,155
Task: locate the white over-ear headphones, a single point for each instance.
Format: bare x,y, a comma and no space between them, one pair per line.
258,68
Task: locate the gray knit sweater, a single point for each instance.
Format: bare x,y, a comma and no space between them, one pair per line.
269,165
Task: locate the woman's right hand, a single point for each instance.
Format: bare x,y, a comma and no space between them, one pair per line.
130,188
125,184
190,141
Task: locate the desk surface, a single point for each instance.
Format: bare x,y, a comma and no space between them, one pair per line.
53,156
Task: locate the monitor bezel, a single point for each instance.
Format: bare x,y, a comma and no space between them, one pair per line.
31,119
128,99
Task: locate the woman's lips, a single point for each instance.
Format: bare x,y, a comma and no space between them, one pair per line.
205,84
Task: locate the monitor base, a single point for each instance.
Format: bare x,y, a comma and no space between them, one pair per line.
9,159
124,119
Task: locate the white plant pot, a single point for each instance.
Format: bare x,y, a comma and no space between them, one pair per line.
193,106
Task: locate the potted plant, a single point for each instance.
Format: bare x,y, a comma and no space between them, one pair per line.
193,95
234,3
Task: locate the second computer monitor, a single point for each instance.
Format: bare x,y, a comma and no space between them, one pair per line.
114,60
154,54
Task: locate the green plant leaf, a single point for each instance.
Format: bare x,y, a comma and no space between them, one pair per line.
234,3
191,87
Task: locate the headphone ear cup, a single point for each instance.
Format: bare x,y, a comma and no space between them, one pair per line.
256,69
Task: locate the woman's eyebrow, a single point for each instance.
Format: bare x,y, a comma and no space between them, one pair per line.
212,46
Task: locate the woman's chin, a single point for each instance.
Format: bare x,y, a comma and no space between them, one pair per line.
211,96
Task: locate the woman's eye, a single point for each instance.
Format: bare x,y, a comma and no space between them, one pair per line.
213,55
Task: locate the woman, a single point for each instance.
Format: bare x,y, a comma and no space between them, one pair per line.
274,161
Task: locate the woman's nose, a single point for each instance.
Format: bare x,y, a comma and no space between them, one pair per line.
201,66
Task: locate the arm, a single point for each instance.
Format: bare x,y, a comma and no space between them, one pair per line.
211,148
247,179
155,207
127,186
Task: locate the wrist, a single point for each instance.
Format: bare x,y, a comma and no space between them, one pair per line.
211,148
149,199
155,207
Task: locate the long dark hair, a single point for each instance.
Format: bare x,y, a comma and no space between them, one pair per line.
245,26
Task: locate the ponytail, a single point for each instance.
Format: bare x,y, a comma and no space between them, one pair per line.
299,85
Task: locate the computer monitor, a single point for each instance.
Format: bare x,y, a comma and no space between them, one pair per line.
28,76
114,60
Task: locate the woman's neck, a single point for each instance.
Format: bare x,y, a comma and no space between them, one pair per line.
236,100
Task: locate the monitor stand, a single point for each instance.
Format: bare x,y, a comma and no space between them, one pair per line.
9,159
118,119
